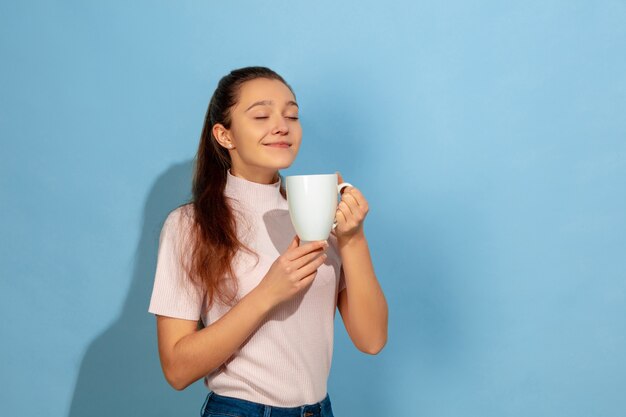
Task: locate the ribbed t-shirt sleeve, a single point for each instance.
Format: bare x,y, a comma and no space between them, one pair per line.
173,294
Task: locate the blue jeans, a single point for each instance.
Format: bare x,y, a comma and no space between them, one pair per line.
221,406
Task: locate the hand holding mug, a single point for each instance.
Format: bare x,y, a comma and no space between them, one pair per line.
293,271
351,212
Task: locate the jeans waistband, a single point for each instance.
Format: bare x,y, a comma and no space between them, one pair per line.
244,408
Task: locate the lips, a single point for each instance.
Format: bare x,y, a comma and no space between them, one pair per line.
278,145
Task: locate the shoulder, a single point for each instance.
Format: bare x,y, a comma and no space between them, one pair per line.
184,213
179,220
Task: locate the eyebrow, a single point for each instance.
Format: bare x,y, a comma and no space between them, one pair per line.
268,102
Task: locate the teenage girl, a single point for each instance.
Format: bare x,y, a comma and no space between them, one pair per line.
238,301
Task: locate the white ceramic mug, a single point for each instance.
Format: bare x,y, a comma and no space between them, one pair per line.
312,201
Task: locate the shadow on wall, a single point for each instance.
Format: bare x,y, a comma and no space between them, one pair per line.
120,374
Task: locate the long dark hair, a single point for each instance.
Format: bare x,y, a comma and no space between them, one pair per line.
212,234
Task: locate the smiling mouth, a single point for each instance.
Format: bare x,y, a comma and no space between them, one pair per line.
278,145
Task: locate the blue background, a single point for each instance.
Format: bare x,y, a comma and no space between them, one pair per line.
489,138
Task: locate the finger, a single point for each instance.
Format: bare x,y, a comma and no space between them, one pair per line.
355,195
311,267
300,251
343,216
345,208
306,281
308,258
351,202
295,242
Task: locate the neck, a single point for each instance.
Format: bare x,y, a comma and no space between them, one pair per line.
254,196
266,177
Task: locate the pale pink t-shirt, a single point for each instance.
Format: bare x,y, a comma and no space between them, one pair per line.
286,362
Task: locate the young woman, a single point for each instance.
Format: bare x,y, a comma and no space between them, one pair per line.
237,300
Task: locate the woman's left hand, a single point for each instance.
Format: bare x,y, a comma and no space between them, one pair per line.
351,212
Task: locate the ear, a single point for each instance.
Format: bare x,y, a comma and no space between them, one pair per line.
220,133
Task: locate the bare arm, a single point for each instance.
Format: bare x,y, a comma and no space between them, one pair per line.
188,354
362,304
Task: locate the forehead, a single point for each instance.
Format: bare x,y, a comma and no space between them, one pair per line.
263,89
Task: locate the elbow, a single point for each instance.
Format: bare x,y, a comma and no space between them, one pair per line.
176,381
374,348
178,386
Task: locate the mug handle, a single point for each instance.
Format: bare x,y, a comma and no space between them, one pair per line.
339,188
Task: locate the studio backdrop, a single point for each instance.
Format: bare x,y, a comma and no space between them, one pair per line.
488,137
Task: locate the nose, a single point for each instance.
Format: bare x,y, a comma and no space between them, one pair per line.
280,126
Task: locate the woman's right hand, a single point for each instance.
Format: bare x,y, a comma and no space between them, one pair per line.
293,271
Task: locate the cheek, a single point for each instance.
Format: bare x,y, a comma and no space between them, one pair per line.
250,134
296,133
296,140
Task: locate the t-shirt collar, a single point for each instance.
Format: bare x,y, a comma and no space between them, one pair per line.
252,195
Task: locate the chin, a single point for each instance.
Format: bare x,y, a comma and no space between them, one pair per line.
280,163
283,166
